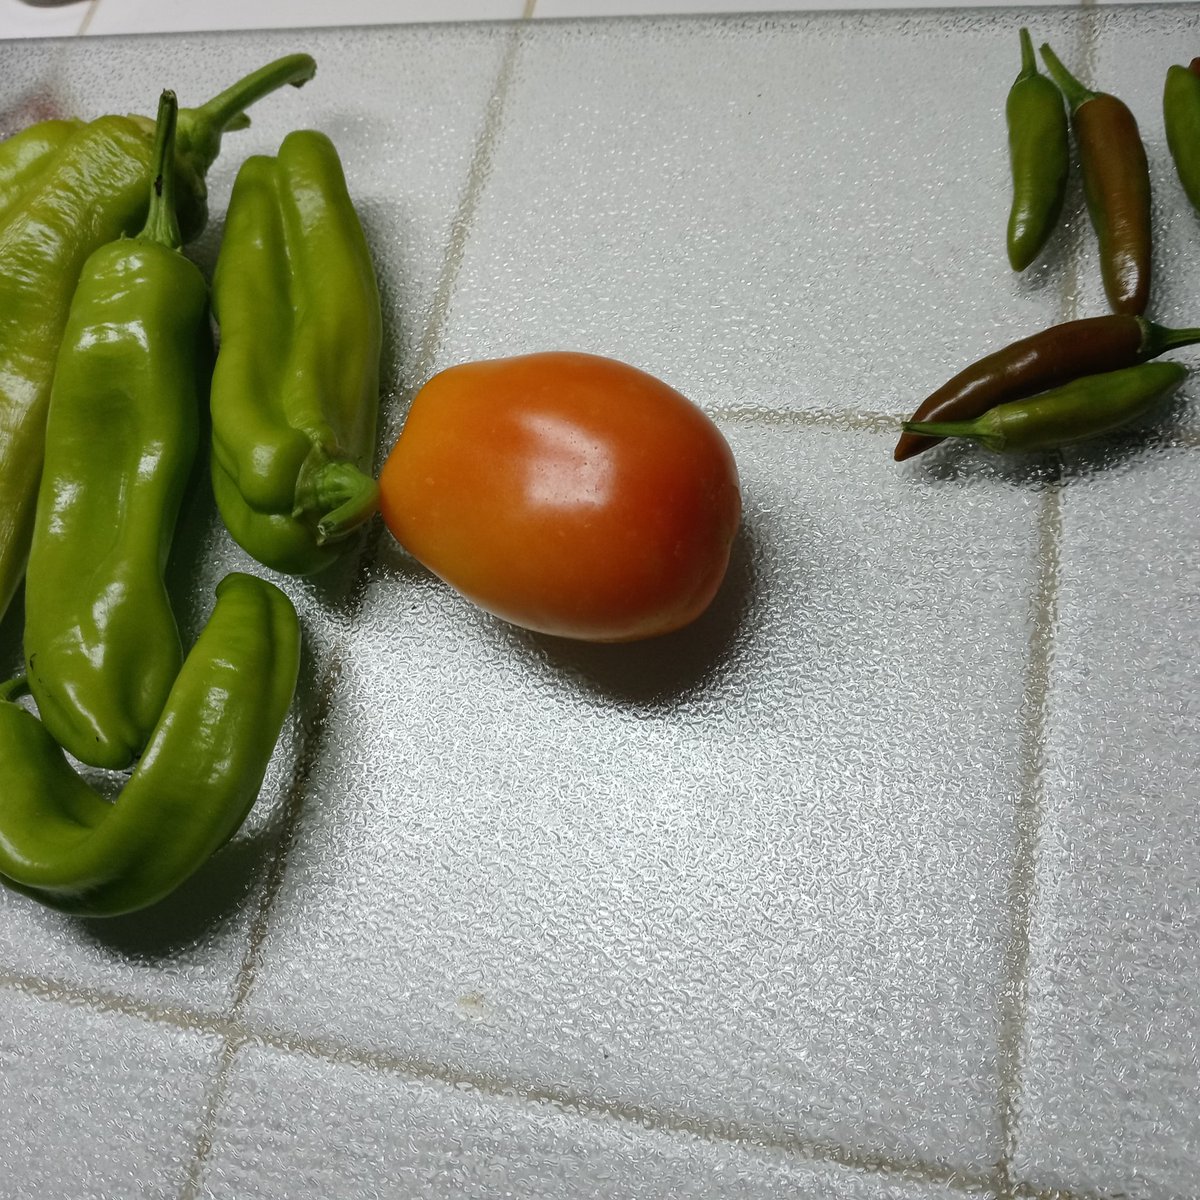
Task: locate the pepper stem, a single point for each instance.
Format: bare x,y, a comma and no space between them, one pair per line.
345,495
162,223
963,429
14,688
1158,339
201,128
1028,59
1074,91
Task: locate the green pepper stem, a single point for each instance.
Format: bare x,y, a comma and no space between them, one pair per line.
162,223
201,128
1074,91
14,688
345,495
1028,59
963,429
1158,339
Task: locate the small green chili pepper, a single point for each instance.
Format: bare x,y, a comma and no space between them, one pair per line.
1116,186
94,190
1042,361
26,154
1083,409
295,391
1038,154
101,644
67,847
1181,116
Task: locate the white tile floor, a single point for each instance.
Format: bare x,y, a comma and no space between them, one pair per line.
67,18
882,882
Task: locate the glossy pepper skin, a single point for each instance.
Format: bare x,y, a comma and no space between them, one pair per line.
1181,119
102,648
67,847
1035,364
295,392
1116,185
1082,409
93,191
1038,155
24,155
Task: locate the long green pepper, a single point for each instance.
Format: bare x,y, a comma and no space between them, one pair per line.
1085,408
93,191
70,849
102,647
1038,154
295,391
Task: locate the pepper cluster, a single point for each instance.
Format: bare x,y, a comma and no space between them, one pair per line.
1087,377
100,419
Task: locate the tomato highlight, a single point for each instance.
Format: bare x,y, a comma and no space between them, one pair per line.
566,493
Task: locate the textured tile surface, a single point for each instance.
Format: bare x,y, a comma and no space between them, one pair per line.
1112,1061
753,881
97,1104
754,873
400,1137
812,239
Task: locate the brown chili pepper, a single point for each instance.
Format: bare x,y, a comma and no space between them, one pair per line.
1116,185
1045,360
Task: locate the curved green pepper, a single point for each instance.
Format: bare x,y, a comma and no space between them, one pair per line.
93,191
1038,154
295,392
102,646
67,847
1181,118
24,155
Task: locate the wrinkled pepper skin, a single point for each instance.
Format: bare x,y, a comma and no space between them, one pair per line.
93,191
1181,119
295,392
1038,156
67,847
1116,186
24,155
102,647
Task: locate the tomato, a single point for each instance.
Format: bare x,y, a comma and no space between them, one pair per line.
566,493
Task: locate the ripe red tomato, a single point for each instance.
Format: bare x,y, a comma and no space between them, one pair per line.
566,493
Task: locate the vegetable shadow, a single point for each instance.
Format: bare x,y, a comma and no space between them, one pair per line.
194,911
662,672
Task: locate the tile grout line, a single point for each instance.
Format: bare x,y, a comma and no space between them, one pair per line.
1030,806
88,17
237,1033
233,1031
460,229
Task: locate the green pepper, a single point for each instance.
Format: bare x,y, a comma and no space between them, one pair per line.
93,191
1038,155
64,845
101,644
24,155
295,391
1116,186
1085,408
1181,117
